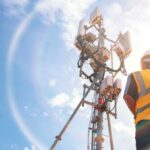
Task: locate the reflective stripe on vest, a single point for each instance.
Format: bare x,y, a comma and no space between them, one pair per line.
143,89
142,110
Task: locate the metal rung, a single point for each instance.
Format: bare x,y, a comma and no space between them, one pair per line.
95,119
106,135
94,130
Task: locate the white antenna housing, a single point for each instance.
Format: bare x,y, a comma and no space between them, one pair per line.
107,85
123,46
90,37
95,16
76,43
81,29
117,86
81,32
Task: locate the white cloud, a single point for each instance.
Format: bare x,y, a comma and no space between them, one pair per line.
25,107
15,7
14,147
52,82
114,9
11,3
26,148
45,114
75,98
65,104
63,100
33,114
49,9
120,127
73,12
67,14
34,147
58,115
59,100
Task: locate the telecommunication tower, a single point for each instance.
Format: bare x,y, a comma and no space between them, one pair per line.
90,41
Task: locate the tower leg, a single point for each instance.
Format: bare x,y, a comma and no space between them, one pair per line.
100,132
109,128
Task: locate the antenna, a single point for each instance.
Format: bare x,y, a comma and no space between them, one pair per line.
103,79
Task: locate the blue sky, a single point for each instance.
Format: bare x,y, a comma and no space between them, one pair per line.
39,83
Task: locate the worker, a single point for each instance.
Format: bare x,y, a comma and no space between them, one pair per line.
137,98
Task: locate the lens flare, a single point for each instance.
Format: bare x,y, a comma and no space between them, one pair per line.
11,99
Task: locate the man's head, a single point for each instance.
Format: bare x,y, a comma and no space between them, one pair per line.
145,60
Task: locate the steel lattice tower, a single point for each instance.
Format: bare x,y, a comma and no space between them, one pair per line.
107,88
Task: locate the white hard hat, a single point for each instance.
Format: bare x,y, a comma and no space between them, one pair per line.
145,60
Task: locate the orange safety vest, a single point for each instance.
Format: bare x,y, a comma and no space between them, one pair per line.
142,107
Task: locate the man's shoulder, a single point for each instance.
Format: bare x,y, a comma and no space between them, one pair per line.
141,71
131,75
131,87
